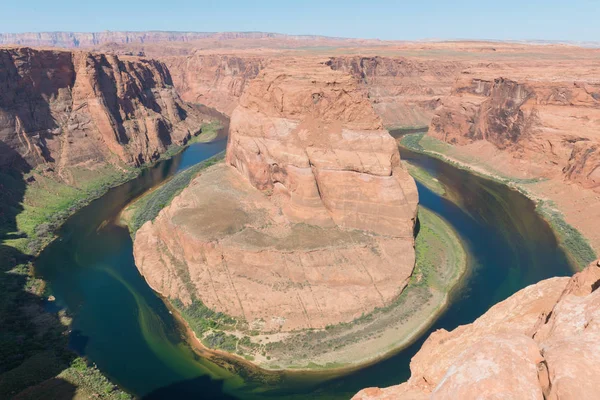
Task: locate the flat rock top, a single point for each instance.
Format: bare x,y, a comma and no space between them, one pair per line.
300,88
221,206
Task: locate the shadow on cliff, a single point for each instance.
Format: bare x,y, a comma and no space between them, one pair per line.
33,346
201,387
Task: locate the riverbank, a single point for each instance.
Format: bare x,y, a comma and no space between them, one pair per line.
557,208
441,261
35,361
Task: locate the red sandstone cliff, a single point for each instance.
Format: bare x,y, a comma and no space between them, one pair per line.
215,80
541,343
547,116
78,109
309,223
404,92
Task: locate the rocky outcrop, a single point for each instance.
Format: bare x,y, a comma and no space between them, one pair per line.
551,118
541,343
310,221
78,109
215,80
404,92
321,151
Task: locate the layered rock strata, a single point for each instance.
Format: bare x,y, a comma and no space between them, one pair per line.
214,80
404,92
308,223
548,118
541,343
78,109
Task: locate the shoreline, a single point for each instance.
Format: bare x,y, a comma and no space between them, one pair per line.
441,300
482,172
78,370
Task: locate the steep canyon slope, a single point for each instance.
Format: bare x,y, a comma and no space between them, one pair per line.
541,343
76,110
537,124
309,223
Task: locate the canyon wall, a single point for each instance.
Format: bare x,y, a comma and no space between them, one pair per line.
79,109
217,81
540,343
546,116
308,223
404,92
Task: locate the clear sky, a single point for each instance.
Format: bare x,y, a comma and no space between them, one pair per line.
384,19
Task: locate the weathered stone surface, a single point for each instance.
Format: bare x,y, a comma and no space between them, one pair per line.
213,79
548,117
540,343
84,109
405,92
308,223
308,136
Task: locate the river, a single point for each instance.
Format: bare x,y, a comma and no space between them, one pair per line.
123,327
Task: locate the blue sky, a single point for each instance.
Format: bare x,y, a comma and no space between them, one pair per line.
400,20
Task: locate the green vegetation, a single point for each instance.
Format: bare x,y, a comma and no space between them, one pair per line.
440,257
41,206
33,343
221,340
577,246
208,132
440,262
571,240
78,380
148,206
425,178
201,318
400,131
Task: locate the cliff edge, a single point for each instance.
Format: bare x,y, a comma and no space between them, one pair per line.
540,343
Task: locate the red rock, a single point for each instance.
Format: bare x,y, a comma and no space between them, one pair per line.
309,223
78,109
542,342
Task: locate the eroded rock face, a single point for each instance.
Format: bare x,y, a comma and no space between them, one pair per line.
214,80
540,343
308,223
548,117
308,137
404,92
75,109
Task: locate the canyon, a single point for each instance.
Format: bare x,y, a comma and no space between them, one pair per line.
308,224
535,126
540,343
69,111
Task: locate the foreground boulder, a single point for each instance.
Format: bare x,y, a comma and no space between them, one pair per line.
541,343
308,223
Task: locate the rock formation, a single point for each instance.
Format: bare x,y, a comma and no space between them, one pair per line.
78,109
309,223
541,343
321,150
404,92
550,118
214,80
